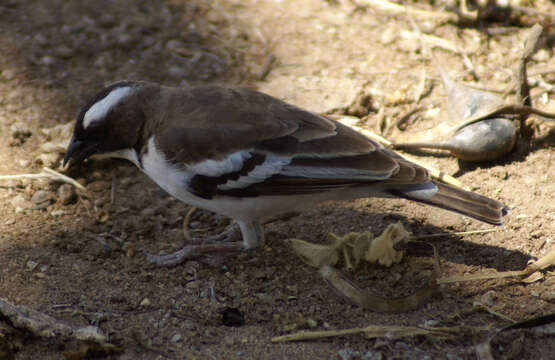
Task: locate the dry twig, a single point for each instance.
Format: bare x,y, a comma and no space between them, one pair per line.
46,173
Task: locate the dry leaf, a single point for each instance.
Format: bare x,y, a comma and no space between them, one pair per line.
316,255
381,249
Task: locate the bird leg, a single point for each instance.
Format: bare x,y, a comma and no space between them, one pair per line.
227,241
231,233
192,251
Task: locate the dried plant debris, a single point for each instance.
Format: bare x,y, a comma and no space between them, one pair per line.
17,322
479,125
354,247
460,12
542,324
532,272
392,331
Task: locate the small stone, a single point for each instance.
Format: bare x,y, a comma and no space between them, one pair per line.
63,51
542,55
173,45
126,41
232,317
57,213
488,298
189,325
40,39
24,163
49,160
20,203
67,194
175,338
97,186
31,265
176,72
47,60
388,36
348,354
7,74
148,41
107,20
311,323
41,197
20,130
145,302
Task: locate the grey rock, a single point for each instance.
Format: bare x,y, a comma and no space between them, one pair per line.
67,194
41,199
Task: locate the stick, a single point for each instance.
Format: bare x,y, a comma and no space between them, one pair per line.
543,263
46,173
420,237
396,9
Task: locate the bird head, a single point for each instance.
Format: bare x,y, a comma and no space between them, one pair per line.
111,121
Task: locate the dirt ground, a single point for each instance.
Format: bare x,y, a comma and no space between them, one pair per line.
82,260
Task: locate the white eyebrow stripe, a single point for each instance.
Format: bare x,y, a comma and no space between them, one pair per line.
101,108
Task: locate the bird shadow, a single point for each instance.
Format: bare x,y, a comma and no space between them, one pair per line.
341,218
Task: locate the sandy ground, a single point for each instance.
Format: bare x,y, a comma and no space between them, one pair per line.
82,260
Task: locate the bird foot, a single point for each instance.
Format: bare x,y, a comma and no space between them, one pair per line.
193,251
232,233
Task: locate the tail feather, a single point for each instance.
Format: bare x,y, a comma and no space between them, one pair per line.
464,202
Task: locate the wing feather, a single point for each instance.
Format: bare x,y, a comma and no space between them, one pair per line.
240,142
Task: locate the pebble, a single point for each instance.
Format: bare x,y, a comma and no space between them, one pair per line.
542,55
107,20
49,160
189,325
176,72
126,41
489,298
311,323
97,186
41,40
47,60
67,194
20,203
31,265
41,198
20,130
175,338
57,213
173,45
388,36
7,74
64,51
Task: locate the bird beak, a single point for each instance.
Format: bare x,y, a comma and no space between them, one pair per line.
78,150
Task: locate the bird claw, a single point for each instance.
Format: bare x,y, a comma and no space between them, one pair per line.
193,251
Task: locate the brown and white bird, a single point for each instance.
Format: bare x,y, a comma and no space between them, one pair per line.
249,156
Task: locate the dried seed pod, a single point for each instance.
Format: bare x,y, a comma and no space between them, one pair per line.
480,141
473,131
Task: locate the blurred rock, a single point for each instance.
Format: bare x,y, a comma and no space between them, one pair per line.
67,194
41,199
7,74
50,160
64,52
20,203
19,131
